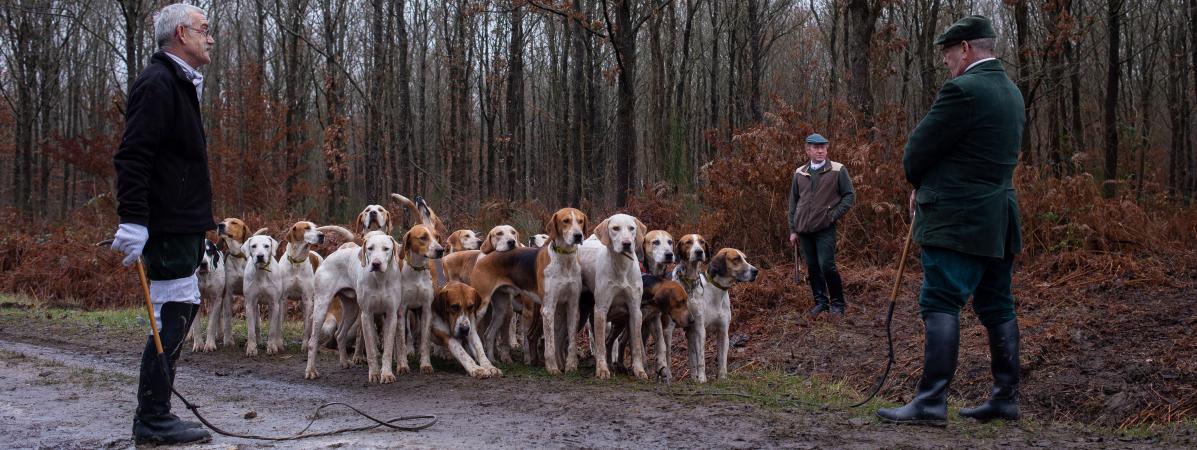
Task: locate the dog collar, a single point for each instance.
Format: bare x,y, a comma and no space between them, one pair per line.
415,267
716,283
266,269
295,261
240,256
563,251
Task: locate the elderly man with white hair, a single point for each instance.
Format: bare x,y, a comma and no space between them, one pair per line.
165,205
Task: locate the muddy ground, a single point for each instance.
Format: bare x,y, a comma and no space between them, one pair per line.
67,385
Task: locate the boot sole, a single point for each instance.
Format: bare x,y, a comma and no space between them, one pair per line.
157,443
920,423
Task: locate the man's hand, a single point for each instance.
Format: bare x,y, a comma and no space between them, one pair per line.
911,205
793,238
130,239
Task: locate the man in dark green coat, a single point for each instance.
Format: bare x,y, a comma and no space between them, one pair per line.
961,159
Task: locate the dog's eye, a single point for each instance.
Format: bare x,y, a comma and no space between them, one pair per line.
615,228
456,308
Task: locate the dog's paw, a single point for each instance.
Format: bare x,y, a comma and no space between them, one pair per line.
251,350
700,379
602,373
479,373
373,376
640,374
552,370
229,342
346,363
208,346
386,378
571,365
358,359
272,349
403,370
494,372
311,374
426,369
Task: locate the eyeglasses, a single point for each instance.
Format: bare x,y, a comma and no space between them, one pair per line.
204,32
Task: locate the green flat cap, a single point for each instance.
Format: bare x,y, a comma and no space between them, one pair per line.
967,29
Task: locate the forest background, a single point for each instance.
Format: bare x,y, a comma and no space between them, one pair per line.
687,113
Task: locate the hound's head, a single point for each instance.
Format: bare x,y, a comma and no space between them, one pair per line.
422,241
500,239
211,258
621,233
538,240
373,218
304,232
566,227
671,298
234,229
464,240
259,249
457,303
693,248
658,248
379,252
730,262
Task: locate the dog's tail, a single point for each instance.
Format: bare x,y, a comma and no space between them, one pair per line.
261,231
415,211
345,233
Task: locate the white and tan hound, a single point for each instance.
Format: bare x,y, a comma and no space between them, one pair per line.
367,281
261,286
664,305
211,286
538,240
693,253
727,266
455,327
459,265
231,232
420,246
373,218
296,274
657,252
462,240
611,272
549,276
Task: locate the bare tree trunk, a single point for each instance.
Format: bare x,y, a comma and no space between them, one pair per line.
515,107
755,54
1111,103
623,39
861,22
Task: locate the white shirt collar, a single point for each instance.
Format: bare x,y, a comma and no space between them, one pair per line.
970,66
818,166
190,73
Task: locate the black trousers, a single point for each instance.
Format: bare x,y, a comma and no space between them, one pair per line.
818,250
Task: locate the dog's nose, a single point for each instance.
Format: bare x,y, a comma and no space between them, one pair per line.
320,238
698,254
375,266
577,238
669,257
627,246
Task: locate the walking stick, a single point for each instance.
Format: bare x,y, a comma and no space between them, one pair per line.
797,265
149,310
889,315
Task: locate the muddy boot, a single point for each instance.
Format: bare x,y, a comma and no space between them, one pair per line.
838,306
820,307
818,291
153,422
930,403
1003,351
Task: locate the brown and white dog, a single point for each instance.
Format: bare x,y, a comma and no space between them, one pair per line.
664,305
611,272
459,265
462,240
231,232
538,240
211,286
367,281
296,275
657,252
727,266
692,253
373,218
455,327
420,246
549,276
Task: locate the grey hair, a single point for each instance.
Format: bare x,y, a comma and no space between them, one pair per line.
984,44
168,19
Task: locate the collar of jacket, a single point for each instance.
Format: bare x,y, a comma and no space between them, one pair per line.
804,169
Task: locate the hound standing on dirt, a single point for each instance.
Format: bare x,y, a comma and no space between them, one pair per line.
296,275
419,246
611,271
261,285
728,266
211,286
367,280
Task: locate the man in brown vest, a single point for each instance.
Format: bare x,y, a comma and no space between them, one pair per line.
820,194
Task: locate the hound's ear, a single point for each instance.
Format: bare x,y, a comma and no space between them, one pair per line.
518,243
357,224
719,265
294,235
245,247
603,233
395,250
706,250
476,303
386,215
488,244
641,230
440,304
550,227
361,254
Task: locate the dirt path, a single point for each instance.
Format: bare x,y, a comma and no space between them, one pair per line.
72,387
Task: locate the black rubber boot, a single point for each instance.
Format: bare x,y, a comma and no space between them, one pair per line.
153,422
818,291
1003,351
930,404
838,306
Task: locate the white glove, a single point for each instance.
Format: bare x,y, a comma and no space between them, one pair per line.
130,239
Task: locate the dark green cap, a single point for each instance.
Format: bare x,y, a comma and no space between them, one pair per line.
967,29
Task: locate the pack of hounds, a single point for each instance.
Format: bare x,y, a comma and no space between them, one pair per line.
476,298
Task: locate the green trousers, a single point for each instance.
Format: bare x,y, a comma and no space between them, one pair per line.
951,277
